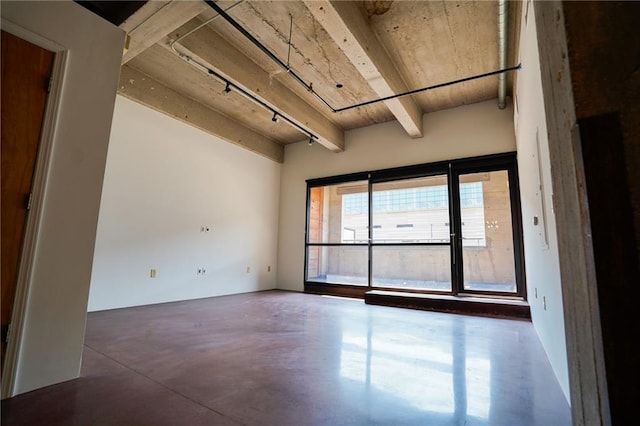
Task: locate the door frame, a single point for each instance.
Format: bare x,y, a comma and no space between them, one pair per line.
34,215
506,163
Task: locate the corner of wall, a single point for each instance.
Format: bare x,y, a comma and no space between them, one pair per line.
544,284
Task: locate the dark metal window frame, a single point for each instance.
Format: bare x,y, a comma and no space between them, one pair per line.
452,169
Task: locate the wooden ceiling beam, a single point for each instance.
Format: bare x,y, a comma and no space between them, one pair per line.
346,25
209,48
151,23
145,90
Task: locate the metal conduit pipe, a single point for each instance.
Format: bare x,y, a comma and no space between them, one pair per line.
502,52
435,86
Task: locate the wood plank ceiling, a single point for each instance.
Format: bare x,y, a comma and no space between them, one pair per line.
348,52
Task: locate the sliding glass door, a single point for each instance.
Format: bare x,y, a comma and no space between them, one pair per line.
448,228
486,232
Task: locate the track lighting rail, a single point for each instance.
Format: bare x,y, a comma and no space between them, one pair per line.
266,51
231,85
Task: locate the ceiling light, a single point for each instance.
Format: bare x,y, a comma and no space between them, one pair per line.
275,117
227,88
310,140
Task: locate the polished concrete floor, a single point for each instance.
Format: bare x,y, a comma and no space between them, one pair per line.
279,358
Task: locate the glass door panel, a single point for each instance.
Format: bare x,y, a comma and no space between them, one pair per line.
416,267
487,233
411,234
338,264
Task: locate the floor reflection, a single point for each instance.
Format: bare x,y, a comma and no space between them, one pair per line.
433,374
276,358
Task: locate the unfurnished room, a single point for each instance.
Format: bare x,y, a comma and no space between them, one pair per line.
315,212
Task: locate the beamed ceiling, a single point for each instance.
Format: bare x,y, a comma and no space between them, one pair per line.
180,55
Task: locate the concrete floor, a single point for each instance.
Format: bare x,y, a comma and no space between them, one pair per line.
279,358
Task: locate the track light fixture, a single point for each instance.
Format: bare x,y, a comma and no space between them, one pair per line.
242,92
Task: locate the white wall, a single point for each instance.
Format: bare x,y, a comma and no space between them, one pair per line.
467,131
163,181
541,253
53,301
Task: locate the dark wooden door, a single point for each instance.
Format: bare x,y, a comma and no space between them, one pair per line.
26,69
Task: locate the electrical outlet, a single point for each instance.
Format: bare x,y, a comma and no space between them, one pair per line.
544,302
248,269
269,268
204,271
152,274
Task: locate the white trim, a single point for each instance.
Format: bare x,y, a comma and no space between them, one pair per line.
34,215
29,36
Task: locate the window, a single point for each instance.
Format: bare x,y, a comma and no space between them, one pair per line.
413,236
471,195
355,204
472,207
426,198
414,207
